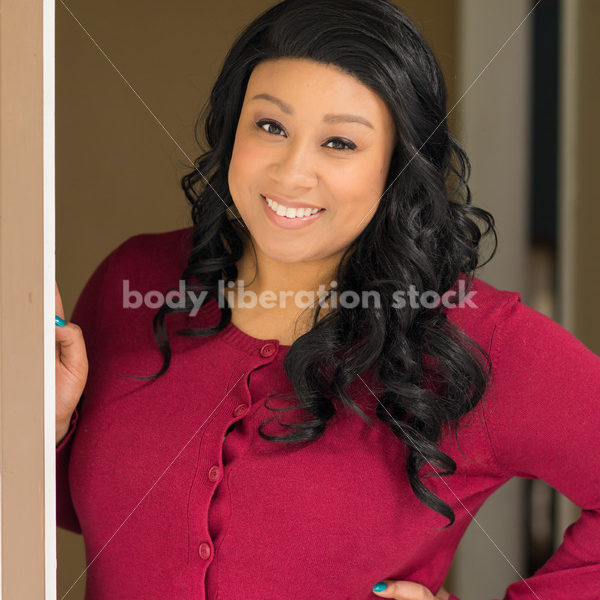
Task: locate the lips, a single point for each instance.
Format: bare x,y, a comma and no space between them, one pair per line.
288,203
275,212
287,222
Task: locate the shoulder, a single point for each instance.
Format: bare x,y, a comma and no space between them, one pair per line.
516,335
150,260
543,406
167,250
145,263
482,308
541,412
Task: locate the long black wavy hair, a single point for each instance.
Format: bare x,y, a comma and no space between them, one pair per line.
424,233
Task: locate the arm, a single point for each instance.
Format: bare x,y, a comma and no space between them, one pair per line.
65,513
543,422
61,436
86,314
542,418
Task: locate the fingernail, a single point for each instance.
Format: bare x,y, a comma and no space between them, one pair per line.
58,321
379,586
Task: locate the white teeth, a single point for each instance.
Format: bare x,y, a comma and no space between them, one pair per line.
291,213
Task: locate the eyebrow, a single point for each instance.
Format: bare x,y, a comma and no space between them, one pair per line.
328,118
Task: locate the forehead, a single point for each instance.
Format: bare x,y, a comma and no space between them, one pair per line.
307,86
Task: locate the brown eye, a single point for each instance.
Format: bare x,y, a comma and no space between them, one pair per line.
347,145
269,123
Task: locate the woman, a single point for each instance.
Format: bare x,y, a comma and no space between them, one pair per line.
277,450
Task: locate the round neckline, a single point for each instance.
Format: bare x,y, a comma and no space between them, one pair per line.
232,334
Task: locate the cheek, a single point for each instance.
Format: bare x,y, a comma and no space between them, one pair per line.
357,189
246,162
239,157
240,166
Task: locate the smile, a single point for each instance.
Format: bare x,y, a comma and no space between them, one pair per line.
291,213
299,218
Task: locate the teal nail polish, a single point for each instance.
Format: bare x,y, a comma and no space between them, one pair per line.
379,586
58,321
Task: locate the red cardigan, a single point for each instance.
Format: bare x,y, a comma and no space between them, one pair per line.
170,508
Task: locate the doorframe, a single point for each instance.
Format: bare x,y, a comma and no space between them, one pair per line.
27,242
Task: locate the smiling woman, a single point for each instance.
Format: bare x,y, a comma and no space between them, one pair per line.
298,153
303,178
330,166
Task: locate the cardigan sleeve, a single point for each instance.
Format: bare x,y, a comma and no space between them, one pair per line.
65,513
543,422
88,315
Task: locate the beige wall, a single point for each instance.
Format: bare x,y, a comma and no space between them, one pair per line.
23,442
579,209
438,20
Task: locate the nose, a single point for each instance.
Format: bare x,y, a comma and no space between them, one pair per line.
294,166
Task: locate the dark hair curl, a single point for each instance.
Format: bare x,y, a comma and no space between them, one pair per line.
423,233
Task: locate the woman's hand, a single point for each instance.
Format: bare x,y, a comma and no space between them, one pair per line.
71,369
409,590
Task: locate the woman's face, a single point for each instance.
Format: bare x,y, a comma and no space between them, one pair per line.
295,141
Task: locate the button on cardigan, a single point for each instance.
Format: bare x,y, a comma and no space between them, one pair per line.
178,497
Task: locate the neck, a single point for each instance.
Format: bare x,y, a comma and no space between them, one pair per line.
262,273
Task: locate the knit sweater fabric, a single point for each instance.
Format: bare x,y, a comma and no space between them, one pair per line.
178,496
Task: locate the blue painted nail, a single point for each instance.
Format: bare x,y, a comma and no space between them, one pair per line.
379,586
58,321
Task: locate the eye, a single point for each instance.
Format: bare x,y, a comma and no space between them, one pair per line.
346,144
270,124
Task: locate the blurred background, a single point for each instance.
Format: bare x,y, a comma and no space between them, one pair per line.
522,96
